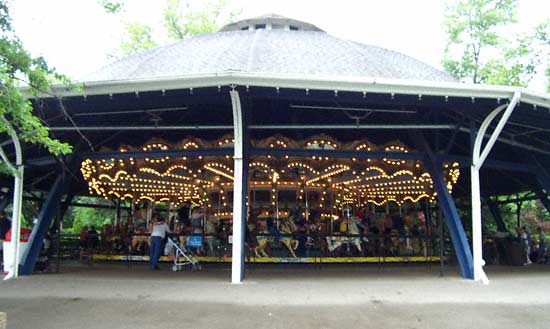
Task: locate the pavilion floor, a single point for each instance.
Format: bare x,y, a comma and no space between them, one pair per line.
274,296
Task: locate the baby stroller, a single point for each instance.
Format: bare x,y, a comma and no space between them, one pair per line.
182,257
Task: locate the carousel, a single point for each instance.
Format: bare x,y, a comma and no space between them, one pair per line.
273,139
334,198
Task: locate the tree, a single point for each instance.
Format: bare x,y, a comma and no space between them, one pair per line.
474,31
18,69
138,37
85,216
481,49
112,7
180,19
515,66
542,35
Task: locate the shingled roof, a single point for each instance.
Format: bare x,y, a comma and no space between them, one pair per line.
268,51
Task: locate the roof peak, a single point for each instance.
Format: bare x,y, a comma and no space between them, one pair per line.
270,21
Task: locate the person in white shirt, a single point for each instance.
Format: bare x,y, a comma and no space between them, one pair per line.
160,228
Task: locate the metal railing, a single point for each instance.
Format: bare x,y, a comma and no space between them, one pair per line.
259,245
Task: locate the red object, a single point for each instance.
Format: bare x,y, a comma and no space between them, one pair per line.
25,235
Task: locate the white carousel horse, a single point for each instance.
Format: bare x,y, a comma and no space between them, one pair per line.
286,226
334,242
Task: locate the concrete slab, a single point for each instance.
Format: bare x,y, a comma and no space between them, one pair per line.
278,296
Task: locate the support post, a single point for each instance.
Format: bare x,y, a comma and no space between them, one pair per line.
240,186
45,216
18,173
447,205
478,157
495,211
543,179
117,214
544,197
441,243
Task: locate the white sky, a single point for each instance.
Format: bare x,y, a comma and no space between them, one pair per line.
76,36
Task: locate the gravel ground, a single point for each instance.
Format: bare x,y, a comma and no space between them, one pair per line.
287,296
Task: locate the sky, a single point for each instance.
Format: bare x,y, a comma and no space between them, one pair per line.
77,36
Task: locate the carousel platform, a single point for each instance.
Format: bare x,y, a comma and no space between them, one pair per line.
274,260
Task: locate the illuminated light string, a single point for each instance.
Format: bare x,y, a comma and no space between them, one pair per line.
328,172
321,142
177,181
226,142
212,167
156,146
278,143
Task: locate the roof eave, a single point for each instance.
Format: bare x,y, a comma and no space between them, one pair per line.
354,84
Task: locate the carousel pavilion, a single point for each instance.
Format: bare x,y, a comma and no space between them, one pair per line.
276,115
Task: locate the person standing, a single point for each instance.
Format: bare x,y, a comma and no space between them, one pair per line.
91,238
82,242
160,228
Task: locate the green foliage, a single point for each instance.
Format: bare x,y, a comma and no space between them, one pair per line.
91,216
29,211
78,217
532,212
473,28
542,35
478,51
138,37
112,7
180,19
18,68
515,67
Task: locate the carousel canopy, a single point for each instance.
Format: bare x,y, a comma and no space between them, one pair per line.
206,181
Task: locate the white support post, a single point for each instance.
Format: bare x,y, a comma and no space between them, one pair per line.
17,199
478,157
237,259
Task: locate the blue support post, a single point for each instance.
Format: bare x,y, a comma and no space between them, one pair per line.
495,211
543,178
47,213
446,203
458,235
543,192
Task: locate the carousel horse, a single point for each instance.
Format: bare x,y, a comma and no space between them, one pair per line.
140,243
334,242
286,226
